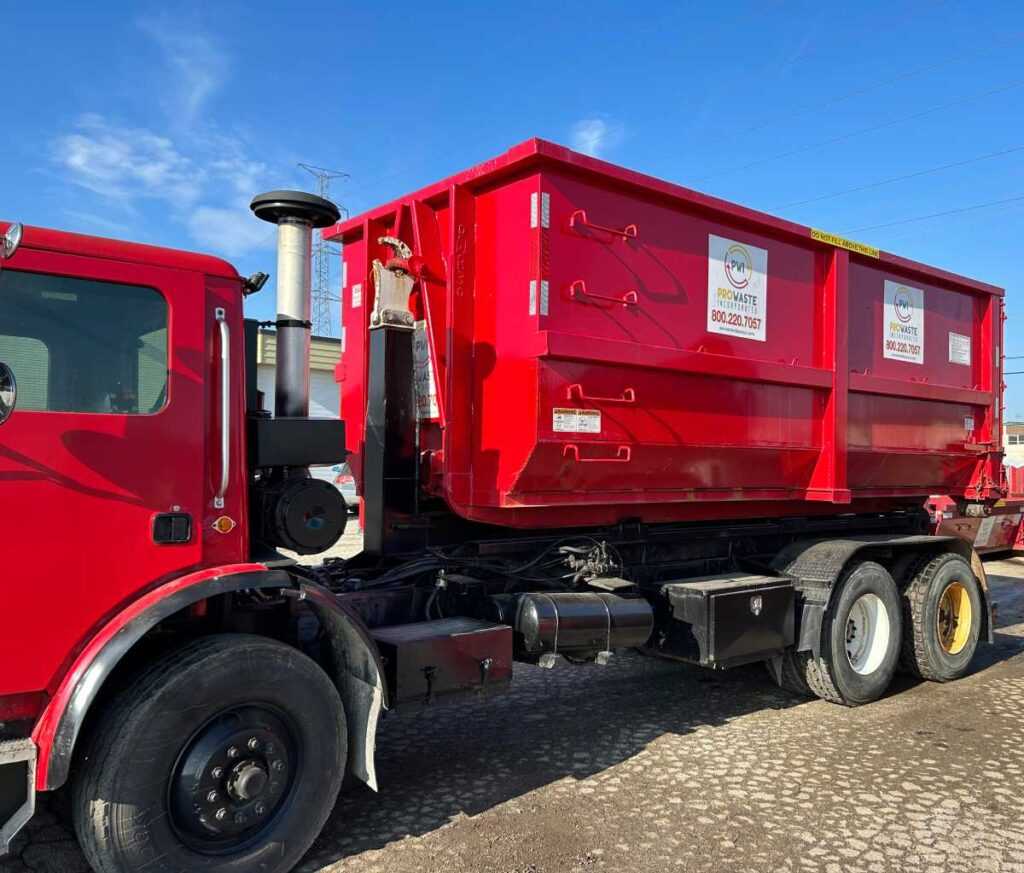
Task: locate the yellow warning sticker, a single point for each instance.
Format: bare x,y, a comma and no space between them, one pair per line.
843,243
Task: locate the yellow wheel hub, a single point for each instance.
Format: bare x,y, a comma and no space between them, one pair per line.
955,618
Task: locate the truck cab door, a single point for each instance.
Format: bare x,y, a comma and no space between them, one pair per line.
110,461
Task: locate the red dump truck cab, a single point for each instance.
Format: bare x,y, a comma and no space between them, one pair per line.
633,348
111,464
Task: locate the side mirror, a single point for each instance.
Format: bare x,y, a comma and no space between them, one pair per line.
10,241
8,392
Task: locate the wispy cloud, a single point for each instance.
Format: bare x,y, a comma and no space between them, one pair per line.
595,136
229,231
125,163
202,176
196,64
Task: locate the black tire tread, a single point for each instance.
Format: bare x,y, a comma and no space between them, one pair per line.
816,671
913,653
818,677
792,678
120,721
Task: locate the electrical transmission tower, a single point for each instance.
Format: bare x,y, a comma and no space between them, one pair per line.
323,324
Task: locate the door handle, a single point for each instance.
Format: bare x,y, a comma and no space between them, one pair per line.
225,407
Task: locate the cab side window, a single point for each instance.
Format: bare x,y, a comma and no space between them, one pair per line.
77,345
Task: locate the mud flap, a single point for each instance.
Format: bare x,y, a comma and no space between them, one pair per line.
364,703
358,676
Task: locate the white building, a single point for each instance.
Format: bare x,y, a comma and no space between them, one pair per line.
1013,443
324,391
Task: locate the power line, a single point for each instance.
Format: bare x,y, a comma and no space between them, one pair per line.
870,129
938,214
903,178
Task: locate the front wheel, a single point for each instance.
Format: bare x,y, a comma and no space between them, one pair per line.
225,755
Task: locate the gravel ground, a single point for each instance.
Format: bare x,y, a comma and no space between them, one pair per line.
652,766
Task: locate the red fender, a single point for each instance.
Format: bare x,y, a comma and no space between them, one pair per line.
58,727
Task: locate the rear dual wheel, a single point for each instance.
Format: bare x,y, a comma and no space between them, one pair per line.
943,610
860,639
932,630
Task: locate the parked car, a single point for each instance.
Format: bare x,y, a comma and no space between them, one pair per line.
340,476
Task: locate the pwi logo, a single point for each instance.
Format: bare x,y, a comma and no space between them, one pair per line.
738,266
903,304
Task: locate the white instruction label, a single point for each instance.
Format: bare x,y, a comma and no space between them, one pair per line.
575,420
737,288
903,323
959,349
357,296
423,374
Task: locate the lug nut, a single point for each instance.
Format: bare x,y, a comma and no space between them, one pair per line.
212,796
239,818
254,744
217,772
278,766
221,814
260,809
232,752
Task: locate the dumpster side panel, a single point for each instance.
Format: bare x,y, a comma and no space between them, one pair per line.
611,346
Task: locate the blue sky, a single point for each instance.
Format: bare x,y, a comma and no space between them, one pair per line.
155,123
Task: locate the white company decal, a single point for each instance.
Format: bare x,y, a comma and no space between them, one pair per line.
575,420
737,288
903,323
357,296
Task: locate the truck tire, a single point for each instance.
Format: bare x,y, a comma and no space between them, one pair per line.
942,616
224,756
860,638
788,674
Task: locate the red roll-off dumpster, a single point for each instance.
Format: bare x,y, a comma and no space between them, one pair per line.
596,345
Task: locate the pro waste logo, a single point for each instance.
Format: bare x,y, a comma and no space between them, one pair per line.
903,323
737,288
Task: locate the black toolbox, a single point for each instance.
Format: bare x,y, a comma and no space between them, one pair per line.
430,659
729,619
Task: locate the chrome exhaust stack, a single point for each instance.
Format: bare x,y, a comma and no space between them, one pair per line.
292,510
295,213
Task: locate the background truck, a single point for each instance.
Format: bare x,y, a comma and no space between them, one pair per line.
586,410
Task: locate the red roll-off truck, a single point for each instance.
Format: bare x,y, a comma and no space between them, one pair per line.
587,410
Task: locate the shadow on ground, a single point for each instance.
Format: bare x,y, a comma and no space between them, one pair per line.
445,761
